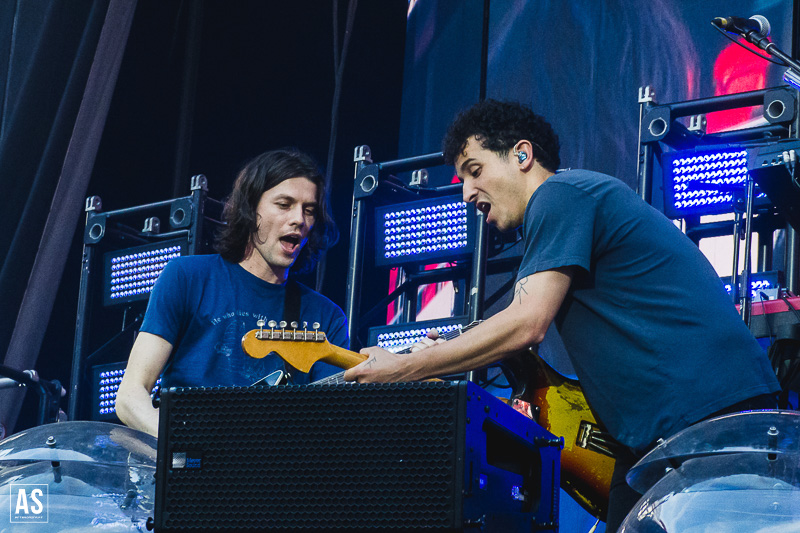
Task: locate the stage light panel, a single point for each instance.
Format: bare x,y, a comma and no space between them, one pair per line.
766,282
131,273
105,384
425,231
397,337
705,182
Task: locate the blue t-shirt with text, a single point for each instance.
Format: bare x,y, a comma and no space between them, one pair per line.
203,305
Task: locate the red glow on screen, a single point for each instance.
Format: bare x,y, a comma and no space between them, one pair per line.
736,70
427,301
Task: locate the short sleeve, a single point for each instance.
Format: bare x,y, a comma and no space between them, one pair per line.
167,306
558,229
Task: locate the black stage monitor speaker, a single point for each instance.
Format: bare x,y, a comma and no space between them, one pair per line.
432,456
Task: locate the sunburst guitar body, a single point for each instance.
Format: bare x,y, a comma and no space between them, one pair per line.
587,461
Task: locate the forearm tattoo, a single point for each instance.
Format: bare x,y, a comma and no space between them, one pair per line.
519,289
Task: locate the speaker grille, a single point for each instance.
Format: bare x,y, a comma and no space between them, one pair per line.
341,457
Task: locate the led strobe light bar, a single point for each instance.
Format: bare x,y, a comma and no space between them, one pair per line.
398,337
425,231
704,182
767,282
131,273
105,386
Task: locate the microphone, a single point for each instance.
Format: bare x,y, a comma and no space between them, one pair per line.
742,26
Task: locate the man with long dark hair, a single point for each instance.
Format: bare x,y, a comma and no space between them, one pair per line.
277,220
652,334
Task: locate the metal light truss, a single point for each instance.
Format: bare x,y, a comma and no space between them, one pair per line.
660,130
123,262
771,163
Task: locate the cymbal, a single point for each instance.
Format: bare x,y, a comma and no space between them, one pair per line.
738,472
767,434
88,474
81,441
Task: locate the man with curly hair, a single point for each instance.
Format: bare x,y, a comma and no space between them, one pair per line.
276,220
651,332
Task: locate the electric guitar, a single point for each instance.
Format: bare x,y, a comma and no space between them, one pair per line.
587,460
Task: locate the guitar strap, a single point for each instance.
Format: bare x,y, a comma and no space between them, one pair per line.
291,302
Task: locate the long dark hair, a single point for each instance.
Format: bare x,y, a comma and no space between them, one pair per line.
259,175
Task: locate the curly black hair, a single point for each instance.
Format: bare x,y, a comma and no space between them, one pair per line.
259,175
499,126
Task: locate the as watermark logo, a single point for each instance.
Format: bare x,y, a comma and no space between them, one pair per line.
28,503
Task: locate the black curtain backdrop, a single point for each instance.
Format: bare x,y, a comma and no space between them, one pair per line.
203,86
62,63
44,71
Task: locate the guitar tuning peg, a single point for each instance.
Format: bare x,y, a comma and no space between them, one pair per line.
260,324
282,324
272,324
293,324
315,325
317,334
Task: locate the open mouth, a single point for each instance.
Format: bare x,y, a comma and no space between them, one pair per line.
290,243
484,207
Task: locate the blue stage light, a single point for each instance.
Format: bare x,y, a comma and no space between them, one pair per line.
704,182
106,381
767,282
397,337
130,274
426,231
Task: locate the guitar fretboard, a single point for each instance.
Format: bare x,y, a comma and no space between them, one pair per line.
338,378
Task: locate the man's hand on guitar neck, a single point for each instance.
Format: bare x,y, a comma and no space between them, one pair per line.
383,366
537,298
426,342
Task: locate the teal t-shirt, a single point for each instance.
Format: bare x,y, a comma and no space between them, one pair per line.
655,340
203,305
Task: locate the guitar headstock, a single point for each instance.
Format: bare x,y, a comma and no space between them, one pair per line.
278,332
301,348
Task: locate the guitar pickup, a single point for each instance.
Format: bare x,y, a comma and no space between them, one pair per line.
591,437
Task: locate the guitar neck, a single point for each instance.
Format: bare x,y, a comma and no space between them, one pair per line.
452,334
338,378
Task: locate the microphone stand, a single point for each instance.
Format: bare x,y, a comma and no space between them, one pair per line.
742,231
771,48
745,296
49,392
